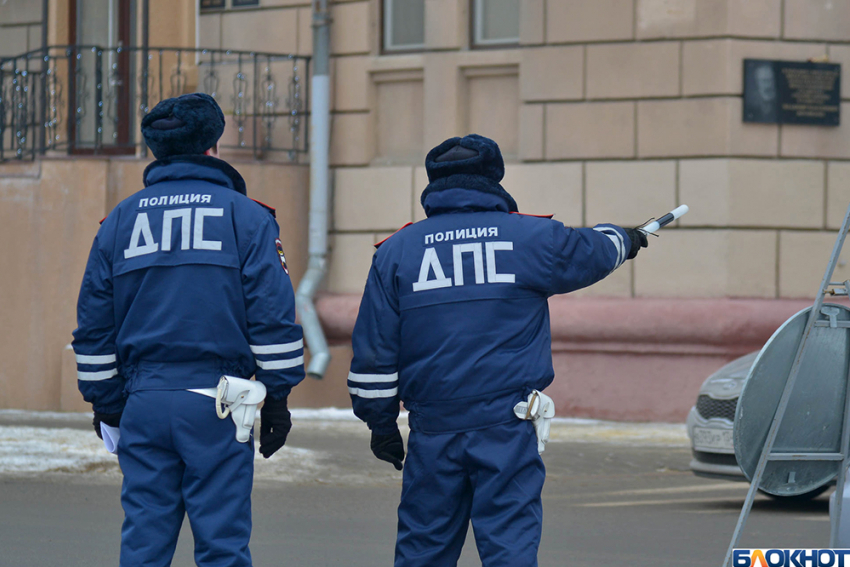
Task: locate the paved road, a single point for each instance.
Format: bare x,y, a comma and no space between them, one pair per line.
609,501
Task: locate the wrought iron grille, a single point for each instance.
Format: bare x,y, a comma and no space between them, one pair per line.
90,99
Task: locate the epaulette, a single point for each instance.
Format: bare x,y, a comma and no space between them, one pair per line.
528,215
266,207
101,220
393,234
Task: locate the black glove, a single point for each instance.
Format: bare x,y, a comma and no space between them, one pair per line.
275,423
110,419
389,448
639,240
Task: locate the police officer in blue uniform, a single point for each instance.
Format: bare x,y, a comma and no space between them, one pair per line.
454,322
186,282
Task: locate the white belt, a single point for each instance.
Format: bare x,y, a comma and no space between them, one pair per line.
238,398
539,409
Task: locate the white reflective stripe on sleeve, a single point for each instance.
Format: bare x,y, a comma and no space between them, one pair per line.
90,359
615,237
97,376
372,378
373,393
280,364
277,349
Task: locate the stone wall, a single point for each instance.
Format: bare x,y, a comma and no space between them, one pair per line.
20,27
49,214
607,111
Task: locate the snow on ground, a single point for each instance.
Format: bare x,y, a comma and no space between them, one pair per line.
33,443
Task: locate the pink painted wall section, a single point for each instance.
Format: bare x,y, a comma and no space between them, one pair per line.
627,359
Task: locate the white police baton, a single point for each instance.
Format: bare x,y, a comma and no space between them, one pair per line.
653,226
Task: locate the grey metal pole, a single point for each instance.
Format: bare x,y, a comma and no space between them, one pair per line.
319,193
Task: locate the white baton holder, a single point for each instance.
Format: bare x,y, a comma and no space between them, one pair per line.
237,398
539,409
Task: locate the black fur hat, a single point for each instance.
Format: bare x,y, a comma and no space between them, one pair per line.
472,162
188,124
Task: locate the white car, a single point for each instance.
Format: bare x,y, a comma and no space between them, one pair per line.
710,421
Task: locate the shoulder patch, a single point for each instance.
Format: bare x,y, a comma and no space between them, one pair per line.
378,245
536,216
280,253
266,207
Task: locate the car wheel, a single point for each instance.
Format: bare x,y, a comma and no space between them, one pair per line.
806,496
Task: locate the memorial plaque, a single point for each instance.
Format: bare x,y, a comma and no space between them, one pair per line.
212,4
792,92
239,3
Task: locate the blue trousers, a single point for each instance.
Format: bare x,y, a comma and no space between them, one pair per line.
493,476
179,458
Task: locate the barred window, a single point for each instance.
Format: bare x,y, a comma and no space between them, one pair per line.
496,22
404,24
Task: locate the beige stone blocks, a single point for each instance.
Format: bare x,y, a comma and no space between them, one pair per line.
531,127
492,107
818,141
13,40
351,29
350,83
589,20
305,31
703,18
400,118
816,19
351,258
20,12
274,31
708,263
552,73
373,198
754,18
352,139
633,70
546,189
701,127
802,262
444,24
752,193
590,130
841,54
617,284
837,193
627,193
532,22
420,182
715,66
209,31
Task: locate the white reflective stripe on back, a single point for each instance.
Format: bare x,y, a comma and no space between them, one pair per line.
277,349
372,378
617,240
373,393
97,376
93,359
280,364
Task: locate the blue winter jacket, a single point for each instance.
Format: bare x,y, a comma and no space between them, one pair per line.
186,281
454,320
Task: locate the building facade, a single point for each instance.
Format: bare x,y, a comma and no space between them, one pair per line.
606,111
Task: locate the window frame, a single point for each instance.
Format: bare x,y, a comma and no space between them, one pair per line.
386,28
477,21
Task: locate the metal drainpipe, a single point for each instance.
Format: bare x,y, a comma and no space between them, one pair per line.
320,355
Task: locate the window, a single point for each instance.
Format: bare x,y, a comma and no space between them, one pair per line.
496,22
404,24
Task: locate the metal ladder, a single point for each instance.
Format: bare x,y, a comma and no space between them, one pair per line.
827,288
